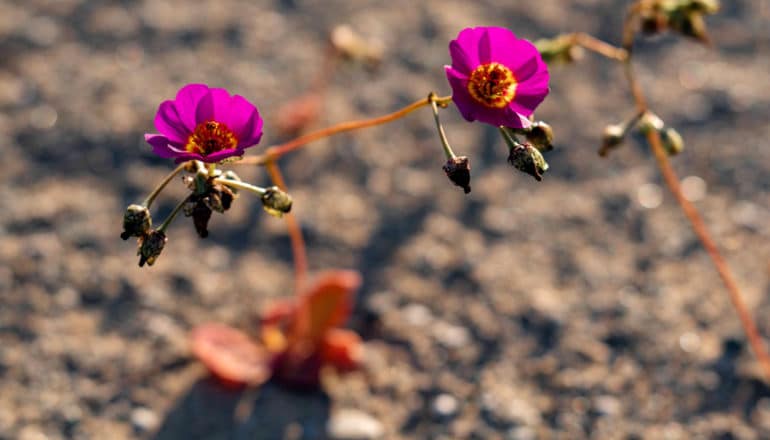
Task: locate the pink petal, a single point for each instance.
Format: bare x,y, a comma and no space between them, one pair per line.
465,49
244,121
161,146
186,103
222,155
168,123
460,95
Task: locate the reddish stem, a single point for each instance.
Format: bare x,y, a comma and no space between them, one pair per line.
295,232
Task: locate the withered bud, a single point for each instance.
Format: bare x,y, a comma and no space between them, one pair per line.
540,135
150,247
458,169
201,214
691,24
672,141
351,45
612,137
703,6
227,195
276,202
654,22
560,49
649,122
136,221
528,159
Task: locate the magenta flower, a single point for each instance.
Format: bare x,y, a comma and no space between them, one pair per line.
205,124
495,77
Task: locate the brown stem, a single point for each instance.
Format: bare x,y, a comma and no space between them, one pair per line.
698,225
702,232
601,47
275,152
295,232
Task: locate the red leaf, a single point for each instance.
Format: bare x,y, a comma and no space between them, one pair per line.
343,349
325,305
230,354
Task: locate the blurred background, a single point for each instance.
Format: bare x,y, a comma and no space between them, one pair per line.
579,307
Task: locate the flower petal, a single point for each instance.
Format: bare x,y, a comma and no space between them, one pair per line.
213,106
244,121
168,123
186,103
161,146
222,155
230,354
464,50
460,95
515,119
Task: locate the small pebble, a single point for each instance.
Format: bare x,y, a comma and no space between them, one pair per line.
144,419
649,195
352,424
445,405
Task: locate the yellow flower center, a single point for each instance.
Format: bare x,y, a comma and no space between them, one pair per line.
210,137
492,85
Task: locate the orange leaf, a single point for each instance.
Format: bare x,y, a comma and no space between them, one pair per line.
343,349
326,304
230,354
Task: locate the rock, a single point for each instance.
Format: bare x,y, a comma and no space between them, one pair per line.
445,405
352,424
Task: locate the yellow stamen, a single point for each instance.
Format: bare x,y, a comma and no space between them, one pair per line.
492,85
210,137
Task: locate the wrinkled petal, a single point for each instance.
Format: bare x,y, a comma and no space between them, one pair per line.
168,123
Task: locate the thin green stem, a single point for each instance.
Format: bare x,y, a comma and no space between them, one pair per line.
172,216
441,134
151,198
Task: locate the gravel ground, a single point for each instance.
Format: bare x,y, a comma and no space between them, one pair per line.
578,307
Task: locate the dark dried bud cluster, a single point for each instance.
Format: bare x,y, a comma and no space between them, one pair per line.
683,16
276,201
136,221
206,198
458,169
150,247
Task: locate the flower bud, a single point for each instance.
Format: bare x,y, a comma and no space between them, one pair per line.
150,247
672,141
649,122
540,135
276,202
561,49
136,221
528,159
704,6
612,137
458,169
691,25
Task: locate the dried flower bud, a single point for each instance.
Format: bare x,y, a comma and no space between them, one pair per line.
704,6
612,137
691,25
351,45
276,202
672,141
136,221
654,22
201,214
528,159
458,169
540,135
150,247
561,49
213,200
649,122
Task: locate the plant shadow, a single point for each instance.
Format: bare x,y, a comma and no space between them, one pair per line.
212,411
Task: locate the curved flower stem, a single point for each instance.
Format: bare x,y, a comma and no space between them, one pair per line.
601,47
295,232
241,185
277,151
441,134
151,198
172,216
696,221
698,225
